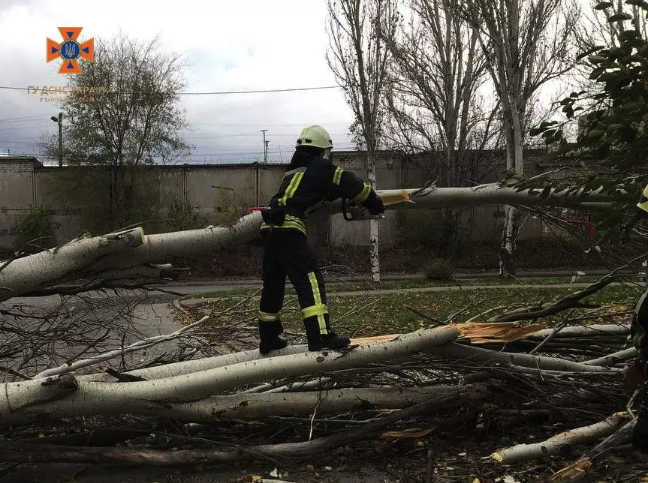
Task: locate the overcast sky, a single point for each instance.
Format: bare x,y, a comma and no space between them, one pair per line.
229,45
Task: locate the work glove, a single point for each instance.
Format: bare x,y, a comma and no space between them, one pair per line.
377,207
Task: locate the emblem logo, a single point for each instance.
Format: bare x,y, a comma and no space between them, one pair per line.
70,51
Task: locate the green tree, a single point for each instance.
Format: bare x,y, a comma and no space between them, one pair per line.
611,119
122,114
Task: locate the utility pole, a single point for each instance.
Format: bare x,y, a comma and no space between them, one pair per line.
59,120
265,146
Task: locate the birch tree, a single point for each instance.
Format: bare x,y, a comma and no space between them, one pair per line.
434,104
359,60
527,44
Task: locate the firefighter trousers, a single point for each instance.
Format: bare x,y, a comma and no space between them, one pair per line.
287,254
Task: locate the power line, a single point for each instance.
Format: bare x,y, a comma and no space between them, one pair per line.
202,125
216,93
22,119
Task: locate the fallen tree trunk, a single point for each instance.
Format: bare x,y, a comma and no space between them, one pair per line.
255,406
560,443
477,354
197,365
48,267
118,253
584,331
477,333
17,401
612,359
490,194
17,452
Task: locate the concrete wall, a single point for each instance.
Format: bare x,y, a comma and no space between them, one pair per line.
223,193
17,192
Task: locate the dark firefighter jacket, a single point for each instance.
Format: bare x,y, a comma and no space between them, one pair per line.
639,328
310,181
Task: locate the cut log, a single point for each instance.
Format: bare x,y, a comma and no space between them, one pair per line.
585,464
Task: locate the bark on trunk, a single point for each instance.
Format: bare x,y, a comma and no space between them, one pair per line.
374,253
48,267
477,354
16,452
584,465
560,443
19,401
94,256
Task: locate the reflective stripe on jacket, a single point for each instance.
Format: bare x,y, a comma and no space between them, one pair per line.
308,183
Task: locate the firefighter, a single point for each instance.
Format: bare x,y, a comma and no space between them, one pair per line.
310,181
636,373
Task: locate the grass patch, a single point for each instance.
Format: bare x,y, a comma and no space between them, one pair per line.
372,314
333,286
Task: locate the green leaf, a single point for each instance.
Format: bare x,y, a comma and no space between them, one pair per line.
628,134
602,5
619,17
596,59
629,34
582,55
610,76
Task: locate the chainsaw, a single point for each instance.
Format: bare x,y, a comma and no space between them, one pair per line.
354,213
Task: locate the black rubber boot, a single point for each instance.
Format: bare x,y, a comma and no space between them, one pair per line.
318,342
640,432
270,340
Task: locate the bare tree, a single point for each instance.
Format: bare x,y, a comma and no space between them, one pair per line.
436,72
359,60
527,44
